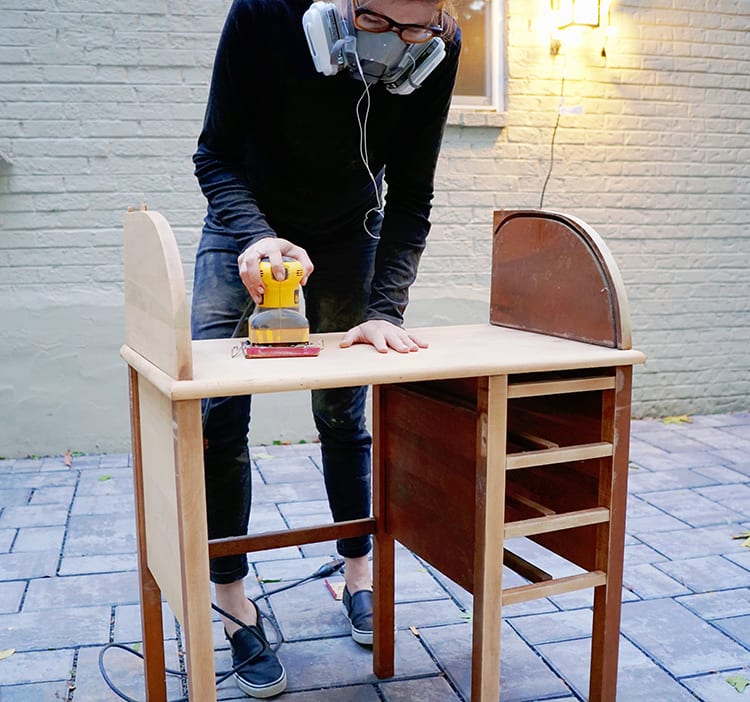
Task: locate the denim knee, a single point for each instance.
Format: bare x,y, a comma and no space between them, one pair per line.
228,479
345,449
339,414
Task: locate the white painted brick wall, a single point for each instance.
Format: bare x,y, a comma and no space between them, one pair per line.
101,104
658,163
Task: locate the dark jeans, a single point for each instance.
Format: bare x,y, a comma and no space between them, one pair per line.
336,299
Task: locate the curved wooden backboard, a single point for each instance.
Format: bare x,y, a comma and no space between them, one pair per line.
553,274
157,321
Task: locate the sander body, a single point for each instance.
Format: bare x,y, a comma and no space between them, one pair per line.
277,328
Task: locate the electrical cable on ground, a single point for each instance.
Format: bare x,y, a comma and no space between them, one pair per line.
326,570
552,143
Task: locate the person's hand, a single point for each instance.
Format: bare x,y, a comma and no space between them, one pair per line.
274,250
382,335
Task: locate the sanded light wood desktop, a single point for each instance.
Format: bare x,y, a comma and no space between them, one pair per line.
452,423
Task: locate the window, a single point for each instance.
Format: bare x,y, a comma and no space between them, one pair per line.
480,79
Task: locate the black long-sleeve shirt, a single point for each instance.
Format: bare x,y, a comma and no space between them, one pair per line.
279,153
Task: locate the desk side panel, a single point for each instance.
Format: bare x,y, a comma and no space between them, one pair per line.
430,461
552,273
157,320
160,493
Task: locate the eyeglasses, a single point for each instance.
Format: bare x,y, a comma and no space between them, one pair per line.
371,21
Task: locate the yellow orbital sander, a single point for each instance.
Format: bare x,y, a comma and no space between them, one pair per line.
278,329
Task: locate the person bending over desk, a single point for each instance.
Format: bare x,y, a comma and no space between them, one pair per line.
310,110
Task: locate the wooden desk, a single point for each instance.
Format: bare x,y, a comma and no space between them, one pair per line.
450,423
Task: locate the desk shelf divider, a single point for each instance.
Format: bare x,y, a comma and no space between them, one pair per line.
556,522
556,387
566,454
558,586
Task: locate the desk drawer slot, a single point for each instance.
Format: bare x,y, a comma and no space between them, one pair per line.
569,420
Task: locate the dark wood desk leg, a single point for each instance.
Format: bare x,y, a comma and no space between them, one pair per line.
383,608
151,621
492,394
383,552
611,543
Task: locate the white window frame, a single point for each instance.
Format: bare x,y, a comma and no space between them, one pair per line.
493,102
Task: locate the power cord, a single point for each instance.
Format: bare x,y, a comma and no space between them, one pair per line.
362,123
552,143
325,571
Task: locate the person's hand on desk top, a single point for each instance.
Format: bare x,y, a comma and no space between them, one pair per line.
383,335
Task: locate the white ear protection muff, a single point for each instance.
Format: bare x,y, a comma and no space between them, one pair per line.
326,37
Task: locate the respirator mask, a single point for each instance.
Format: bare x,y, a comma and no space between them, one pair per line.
337,44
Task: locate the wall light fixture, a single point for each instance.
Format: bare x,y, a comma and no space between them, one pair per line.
576,13
572,13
